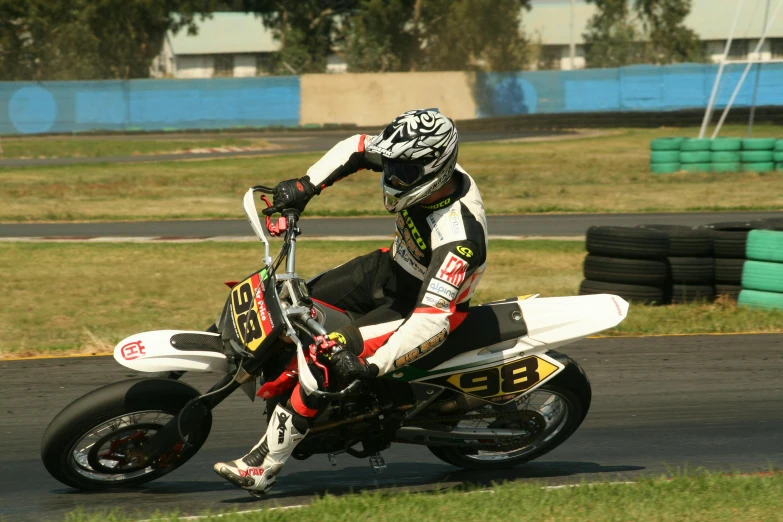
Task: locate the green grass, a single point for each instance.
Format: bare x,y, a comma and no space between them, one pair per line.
608,173
705,498
102,146
83,298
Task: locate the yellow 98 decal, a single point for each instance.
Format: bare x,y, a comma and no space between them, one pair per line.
251,316
509,379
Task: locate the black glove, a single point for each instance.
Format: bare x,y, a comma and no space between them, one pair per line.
291,193
349,367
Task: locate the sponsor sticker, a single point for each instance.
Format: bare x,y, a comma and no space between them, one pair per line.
465,251
456,222
421,350
401,251
434,226
442,289
439,204
452,270
435,301
133,350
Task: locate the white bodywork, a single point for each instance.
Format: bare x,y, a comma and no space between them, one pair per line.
153,352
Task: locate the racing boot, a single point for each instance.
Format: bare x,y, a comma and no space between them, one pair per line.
256,471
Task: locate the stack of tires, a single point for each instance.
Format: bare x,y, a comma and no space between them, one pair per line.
665,155
725,155
758,154
696,155
728,244
778,155
628,262
762,273
690,263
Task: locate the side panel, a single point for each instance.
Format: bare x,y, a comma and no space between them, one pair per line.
154,352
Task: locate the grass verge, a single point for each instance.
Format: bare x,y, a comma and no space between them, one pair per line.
607,173
97,147
83,298
707,498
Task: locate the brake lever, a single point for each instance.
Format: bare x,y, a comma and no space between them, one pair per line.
282,222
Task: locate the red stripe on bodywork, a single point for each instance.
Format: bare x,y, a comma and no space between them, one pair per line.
373,345
361,142
327,305
298,404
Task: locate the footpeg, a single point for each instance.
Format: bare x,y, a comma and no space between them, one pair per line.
332,459
377,463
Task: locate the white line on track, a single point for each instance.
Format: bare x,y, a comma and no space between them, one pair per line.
239,239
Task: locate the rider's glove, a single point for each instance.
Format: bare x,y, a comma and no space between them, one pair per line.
292,193
349,367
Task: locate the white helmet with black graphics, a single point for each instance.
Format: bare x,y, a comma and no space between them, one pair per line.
418,153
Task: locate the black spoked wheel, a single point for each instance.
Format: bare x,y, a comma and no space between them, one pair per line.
97,442
549,415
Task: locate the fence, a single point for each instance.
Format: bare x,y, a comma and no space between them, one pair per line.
367,99
30,108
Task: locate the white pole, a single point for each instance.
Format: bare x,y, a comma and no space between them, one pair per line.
746,71
752,115
708,113
572,45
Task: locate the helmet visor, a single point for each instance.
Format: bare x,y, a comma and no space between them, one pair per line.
402,174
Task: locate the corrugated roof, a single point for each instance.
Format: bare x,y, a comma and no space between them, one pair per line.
711,19
225,33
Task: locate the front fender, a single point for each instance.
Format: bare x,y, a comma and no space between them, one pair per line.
172,350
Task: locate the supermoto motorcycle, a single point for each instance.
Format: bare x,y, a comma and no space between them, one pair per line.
494,394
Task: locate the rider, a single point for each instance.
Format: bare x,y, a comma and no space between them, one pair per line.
412,294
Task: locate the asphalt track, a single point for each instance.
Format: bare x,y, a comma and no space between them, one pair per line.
546,225
659,404
283,142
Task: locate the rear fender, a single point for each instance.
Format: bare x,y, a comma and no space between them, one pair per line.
160,351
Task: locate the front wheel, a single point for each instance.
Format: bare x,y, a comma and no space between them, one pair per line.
96,442
561,406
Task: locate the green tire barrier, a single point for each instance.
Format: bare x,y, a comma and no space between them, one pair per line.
665,156
779,145
779,167
666,144
664,168
695,145
758,143
778,156
726,157
726,167
765,245
756,156
722,144
765,277
696,167
758,167
765,300
701,156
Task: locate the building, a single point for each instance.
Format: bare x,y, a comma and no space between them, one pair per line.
549,23
226,44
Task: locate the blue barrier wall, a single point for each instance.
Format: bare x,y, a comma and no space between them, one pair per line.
636,88
28,107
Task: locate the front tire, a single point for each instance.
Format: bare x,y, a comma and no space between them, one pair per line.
95,441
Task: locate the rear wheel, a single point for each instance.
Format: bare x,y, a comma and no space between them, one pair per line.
97,441
560,410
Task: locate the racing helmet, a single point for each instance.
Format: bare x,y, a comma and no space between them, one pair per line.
418,153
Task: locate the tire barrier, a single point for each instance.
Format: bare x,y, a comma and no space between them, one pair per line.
716,155
661,264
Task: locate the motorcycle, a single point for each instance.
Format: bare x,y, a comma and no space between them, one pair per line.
494,394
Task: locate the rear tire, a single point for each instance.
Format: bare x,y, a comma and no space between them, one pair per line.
572,386
150,398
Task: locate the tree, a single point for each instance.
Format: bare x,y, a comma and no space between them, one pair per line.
436,35
648,31
669,40
87,39
612,37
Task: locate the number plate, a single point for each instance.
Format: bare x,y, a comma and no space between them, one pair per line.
251,317
501,383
